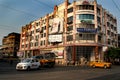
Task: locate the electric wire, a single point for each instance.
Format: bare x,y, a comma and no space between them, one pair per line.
8,28
44,4
117,7
20,11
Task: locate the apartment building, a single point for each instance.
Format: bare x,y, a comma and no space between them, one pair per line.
10,44
81,29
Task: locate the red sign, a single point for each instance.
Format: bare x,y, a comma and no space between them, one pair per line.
20,54
85,2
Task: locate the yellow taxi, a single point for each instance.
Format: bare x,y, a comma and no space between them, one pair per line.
101,64
46,59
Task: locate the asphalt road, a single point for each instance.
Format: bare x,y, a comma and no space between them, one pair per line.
8,72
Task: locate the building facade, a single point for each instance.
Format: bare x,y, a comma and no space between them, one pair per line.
82,29
10,44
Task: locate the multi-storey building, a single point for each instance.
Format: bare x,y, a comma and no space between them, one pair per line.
82,29
10,44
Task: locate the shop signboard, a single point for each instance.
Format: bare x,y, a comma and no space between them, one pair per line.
55,38
87,30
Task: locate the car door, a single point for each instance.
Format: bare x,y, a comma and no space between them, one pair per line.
33,64
36,63
99,64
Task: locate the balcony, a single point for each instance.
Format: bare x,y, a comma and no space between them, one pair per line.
84,11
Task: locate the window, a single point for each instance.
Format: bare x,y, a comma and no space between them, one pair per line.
115,28
70,19
108,24
108,32
41,35
37,37
37,30
42,29
86,16
38,23
44,34
44,42
86,7
87,36
45,28
36,43
70,38
26,45
109,41
70,10
31,44
41,43
99,28
89,26
32,32
98,11
98,19
99,38
22,46
69,28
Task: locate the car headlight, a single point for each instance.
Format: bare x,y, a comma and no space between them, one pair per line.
24,66
18,65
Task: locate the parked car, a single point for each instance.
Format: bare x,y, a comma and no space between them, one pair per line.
46,59
27,64
101,64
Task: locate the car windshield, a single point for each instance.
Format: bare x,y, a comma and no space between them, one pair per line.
49,55
26,60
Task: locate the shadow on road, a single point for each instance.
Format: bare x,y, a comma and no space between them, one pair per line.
7,68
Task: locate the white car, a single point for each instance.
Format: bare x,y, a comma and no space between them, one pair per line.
27,64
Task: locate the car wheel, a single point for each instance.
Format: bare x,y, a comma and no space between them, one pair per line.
39,67
105,66
17,69
93,66
109,67
50,65
28,68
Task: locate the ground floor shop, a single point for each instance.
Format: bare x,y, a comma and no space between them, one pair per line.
70,54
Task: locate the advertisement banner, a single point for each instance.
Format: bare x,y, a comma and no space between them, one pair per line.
59,52
56,26
20,54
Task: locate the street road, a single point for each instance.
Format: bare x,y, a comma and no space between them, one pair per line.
8,72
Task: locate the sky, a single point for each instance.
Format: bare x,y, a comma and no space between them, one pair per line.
16,13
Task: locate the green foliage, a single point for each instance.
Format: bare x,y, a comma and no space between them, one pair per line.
87,21
113,53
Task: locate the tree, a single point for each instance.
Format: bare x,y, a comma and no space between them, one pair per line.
113,55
